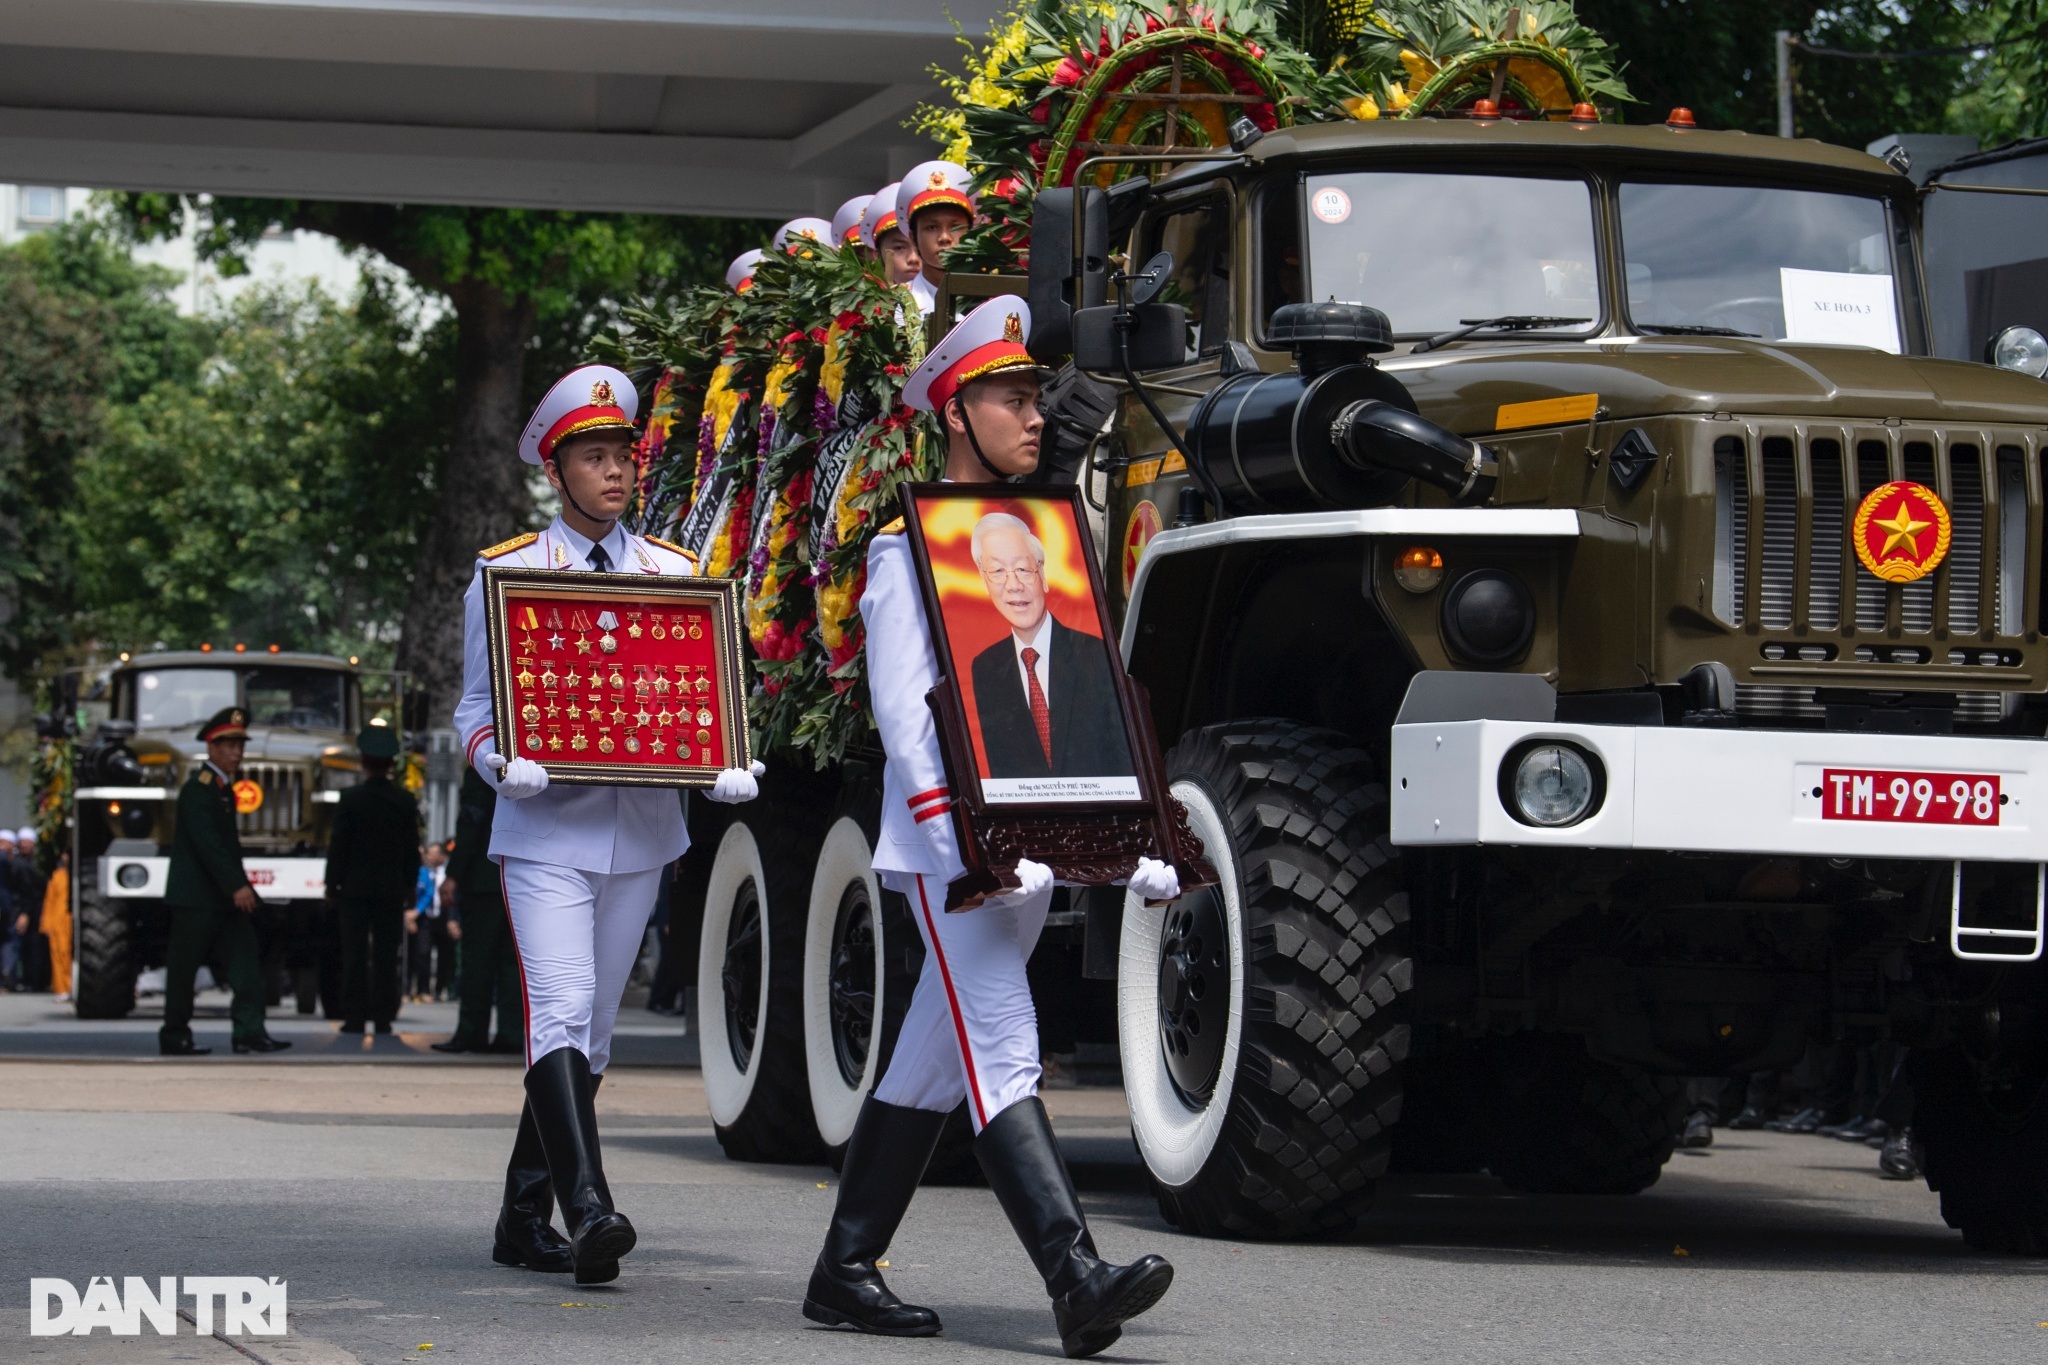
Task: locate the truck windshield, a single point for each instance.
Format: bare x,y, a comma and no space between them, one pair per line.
1780,264
172,698
297,698
1432,251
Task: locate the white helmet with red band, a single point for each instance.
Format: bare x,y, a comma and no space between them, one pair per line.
796,229
879,216
989,340
588,398
846,222
740,273
929,185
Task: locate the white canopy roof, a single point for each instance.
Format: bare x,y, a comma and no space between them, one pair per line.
740,107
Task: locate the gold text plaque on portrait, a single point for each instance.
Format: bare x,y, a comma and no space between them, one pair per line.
617,679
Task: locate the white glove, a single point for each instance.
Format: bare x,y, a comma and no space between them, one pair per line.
1032,878
735,785
1155,881
518,779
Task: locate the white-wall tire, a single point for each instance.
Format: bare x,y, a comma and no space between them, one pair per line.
845,866
728,1084
1174,1137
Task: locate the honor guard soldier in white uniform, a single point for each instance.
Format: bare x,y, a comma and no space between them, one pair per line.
971,1031
883,233
934,209
580,862
846,222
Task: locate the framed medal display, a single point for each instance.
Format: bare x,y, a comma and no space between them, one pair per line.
1048,743
617,679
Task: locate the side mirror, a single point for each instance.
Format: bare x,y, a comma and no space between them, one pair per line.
1056,291
1158,338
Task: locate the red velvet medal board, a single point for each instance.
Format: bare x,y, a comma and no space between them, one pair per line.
617,679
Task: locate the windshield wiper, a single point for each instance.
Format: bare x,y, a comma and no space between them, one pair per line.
1513,322
1691,329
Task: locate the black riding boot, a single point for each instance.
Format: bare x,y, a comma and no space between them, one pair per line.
885,1158
560,1089
1091,1299
525,1236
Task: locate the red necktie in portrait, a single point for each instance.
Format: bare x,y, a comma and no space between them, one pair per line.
1040,716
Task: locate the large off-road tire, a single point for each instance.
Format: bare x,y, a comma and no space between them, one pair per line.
1262,1022
750,986
1566,1124
106,952
1983,1138
861,959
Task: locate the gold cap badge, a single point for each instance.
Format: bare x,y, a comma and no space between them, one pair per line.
1013,329
601,395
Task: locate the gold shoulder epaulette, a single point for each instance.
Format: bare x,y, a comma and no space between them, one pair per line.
894,528
506,547
206,776
671,547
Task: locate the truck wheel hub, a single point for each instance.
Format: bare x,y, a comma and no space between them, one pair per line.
740,974
1194,993
852,983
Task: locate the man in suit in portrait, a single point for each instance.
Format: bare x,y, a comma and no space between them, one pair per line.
1047,703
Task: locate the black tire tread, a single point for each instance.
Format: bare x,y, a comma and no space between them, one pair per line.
1990,1168
1325,1023
777,1124
106,954
1572,1125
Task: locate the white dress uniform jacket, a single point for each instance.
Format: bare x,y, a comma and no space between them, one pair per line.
590,829
917,805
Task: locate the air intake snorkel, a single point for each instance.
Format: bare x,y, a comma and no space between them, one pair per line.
1336,431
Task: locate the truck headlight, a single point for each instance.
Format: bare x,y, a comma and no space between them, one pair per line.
1488,617
133,876
2022,349
1551,784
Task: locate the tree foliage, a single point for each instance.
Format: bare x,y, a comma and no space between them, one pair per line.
278,498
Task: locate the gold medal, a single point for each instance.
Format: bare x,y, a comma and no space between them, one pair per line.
604,744
658,745
633,629
656,631
529,713
703,736
554,741
578,742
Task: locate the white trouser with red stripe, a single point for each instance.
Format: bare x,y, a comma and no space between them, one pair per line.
971,1031
578,935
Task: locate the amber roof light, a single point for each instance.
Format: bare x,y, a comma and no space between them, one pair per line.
1584,113
1681,117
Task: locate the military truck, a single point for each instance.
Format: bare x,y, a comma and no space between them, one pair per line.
304,711
1481,502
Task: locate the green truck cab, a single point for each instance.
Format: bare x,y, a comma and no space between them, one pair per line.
304,711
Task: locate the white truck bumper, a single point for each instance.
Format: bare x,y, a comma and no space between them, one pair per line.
1715,791
275,879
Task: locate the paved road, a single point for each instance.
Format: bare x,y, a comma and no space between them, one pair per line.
371,1188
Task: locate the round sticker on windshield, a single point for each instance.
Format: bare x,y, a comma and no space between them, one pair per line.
1331,205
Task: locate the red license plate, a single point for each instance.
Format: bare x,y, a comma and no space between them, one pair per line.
1909,798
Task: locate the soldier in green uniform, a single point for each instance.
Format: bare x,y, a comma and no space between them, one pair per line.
210,897
373,863
490,968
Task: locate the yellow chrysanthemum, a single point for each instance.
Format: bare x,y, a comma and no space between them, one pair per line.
832,374
722,403
1362,107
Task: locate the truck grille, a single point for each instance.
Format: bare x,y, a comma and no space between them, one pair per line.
283,812
1787,576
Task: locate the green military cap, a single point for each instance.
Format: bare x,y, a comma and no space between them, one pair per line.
230,722
377,741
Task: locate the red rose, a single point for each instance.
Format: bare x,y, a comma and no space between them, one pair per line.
1041,111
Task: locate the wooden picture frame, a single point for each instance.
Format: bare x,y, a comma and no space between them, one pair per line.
666,656
1040,779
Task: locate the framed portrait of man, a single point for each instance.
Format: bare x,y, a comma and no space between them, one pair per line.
1048,742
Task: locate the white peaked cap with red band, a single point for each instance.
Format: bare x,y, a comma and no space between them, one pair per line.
879,216
740,273
933,182
817,229
588,398
846,222
987,341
